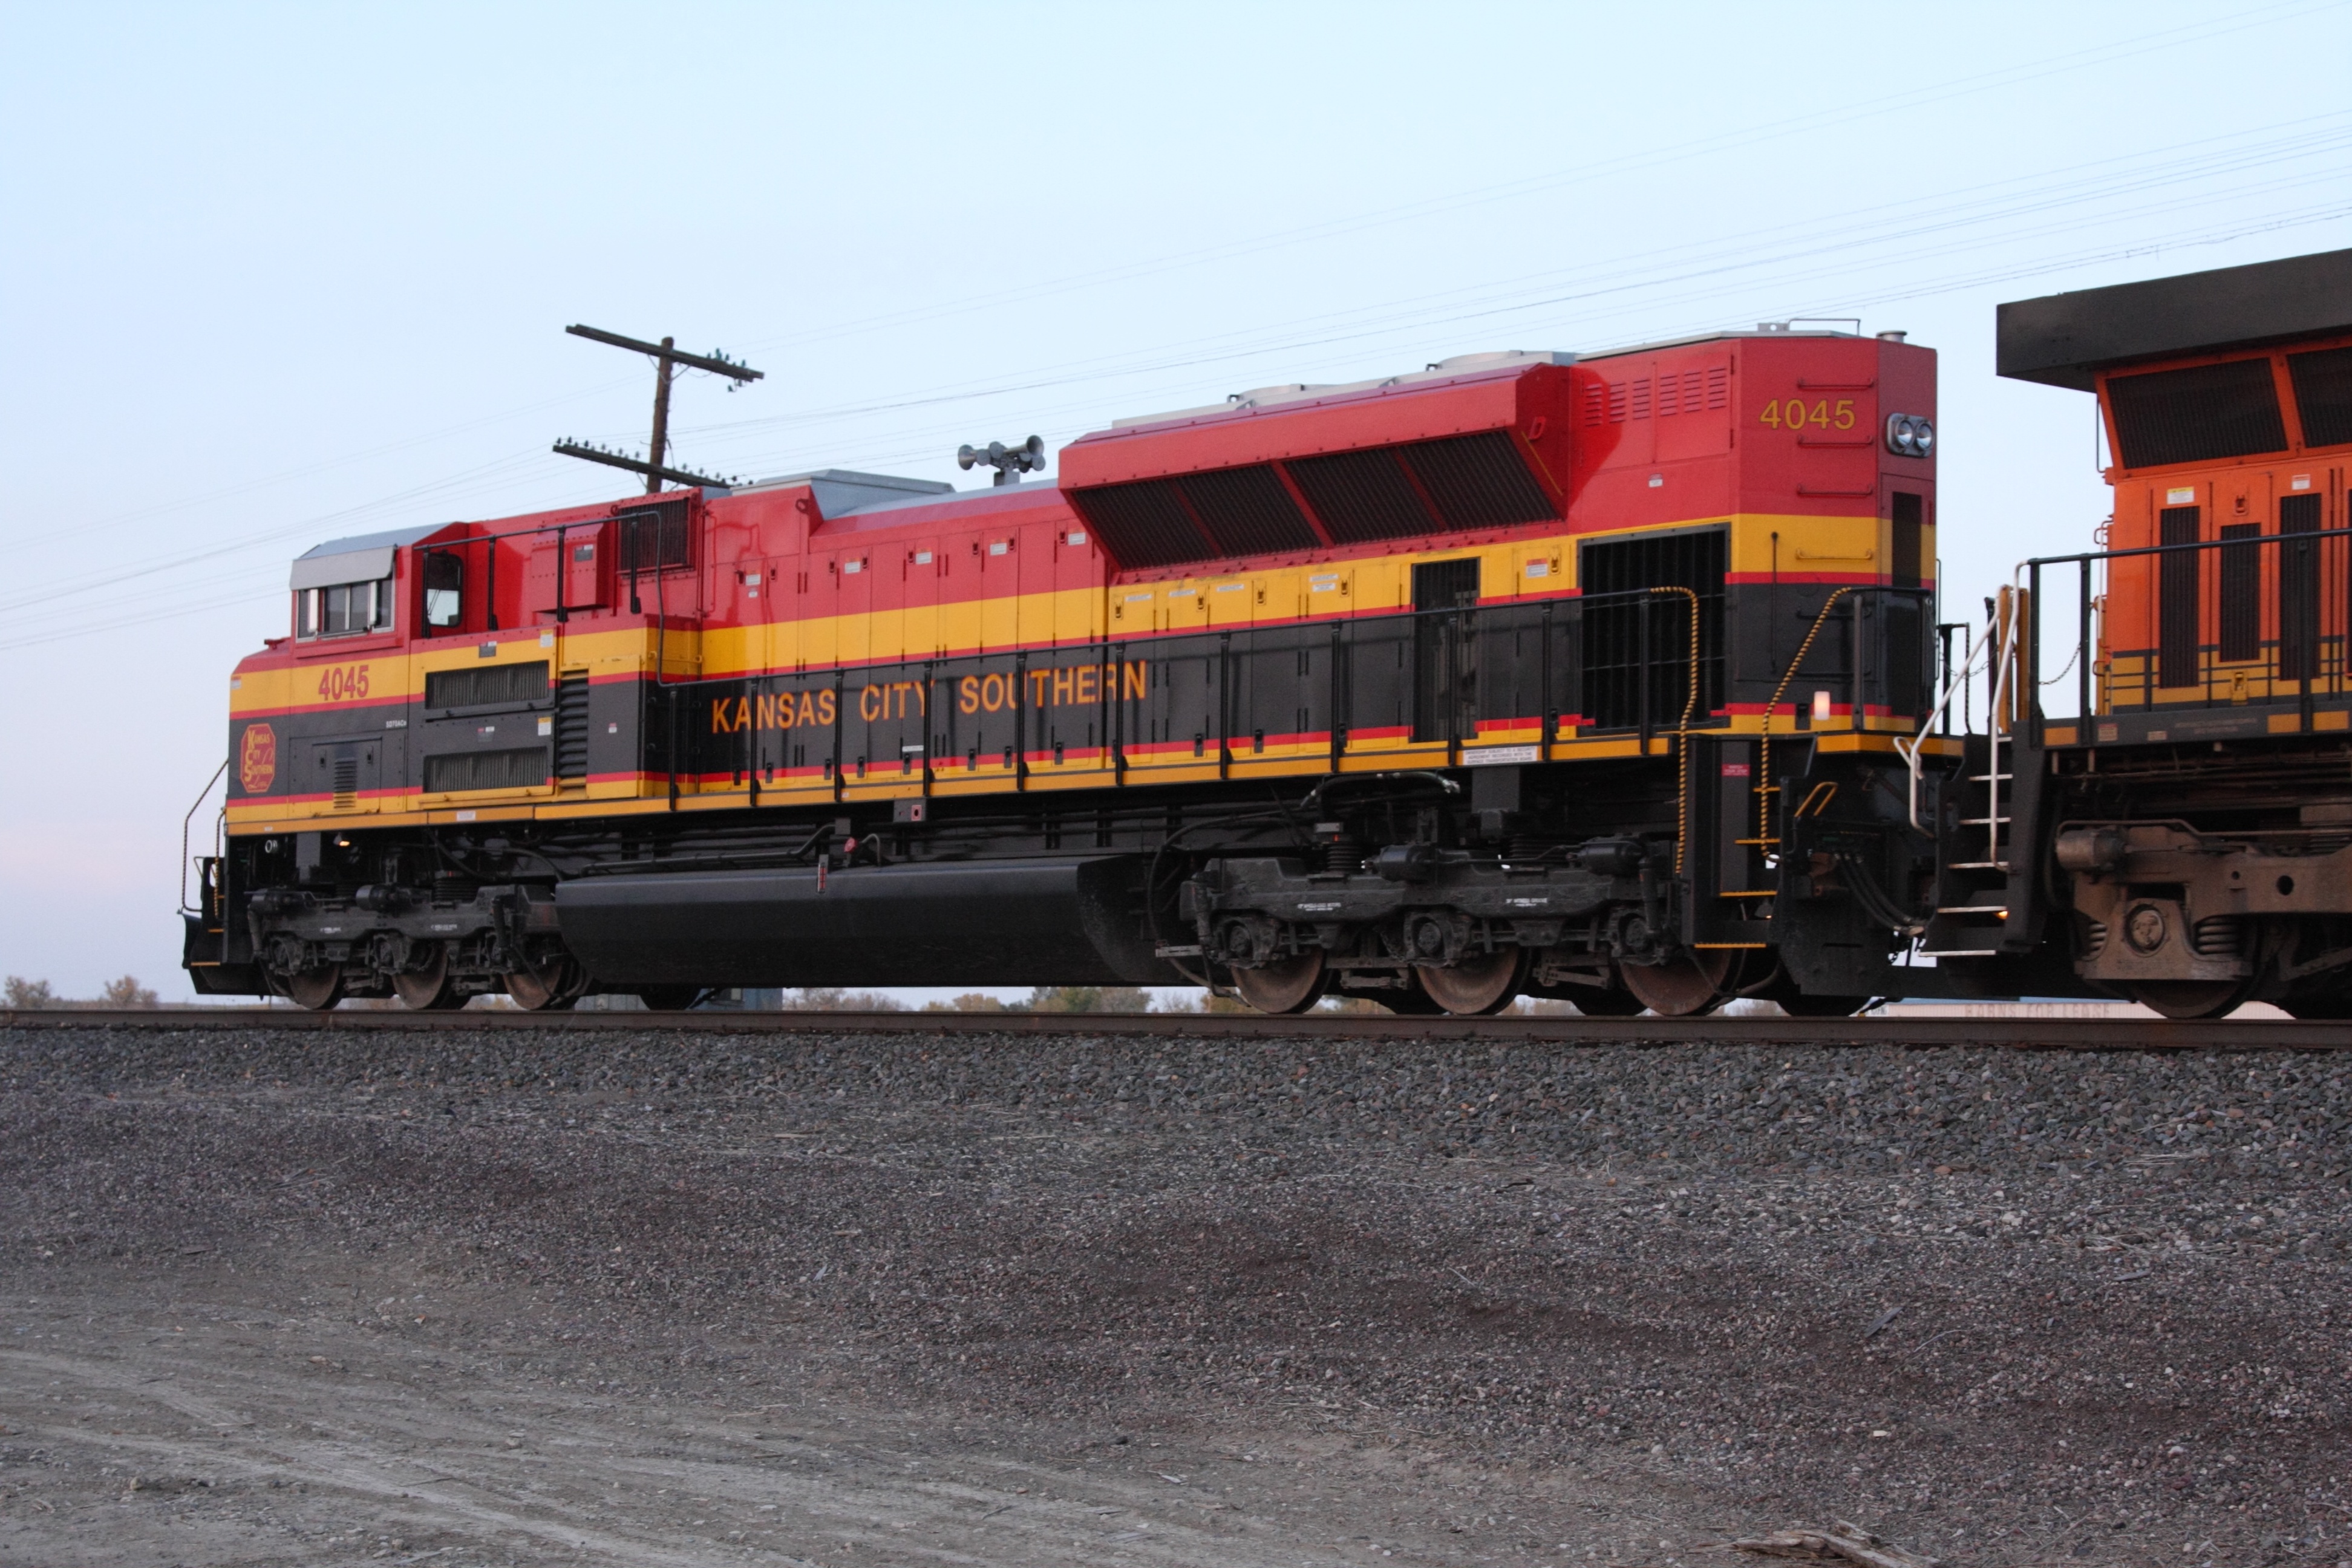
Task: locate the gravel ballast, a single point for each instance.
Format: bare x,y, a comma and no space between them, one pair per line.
1517,1304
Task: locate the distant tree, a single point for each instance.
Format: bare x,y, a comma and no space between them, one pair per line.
969,1002
127,993
832,999
30,995
1087,999
1203,1001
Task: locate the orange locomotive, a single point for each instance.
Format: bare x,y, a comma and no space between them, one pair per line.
1508,675
2196,807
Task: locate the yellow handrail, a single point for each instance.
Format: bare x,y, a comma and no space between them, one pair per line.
1682,731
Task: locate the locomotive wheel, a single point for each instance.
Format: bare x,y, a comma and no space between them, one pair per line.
1681,987
1478,986
669,998
317,989
551,988
2191,999
428,989
1291,986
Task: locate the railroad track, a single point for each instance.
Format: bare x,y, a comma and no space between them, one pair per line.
2055,1033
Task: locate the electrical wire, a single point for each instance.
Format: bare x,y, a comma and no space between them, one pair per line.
30,610
1839,234
1718,260
1591,170
1837,256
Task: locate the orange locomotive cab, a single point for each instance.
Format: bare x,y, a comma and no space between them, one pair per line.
2225,399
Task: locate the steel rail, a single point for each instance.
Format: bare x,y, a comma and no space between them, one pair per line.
2052,1033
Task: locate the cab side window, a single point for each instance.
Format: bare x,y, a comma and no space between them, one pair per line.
342,609
444,591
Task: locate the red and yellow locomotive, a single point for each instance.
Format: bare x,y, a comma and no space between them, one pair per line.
1521,673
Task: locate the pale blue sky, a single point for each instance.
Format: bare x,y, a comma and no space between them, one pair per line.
274,274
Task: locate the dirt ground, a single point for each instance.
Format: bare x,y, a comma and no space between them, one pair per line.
473,1299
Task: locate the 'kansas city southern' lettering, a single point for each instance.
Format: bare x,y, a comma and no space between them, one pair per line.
1062,686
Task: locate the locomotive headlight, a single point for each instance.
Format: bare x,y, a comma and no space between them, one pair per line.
1909,435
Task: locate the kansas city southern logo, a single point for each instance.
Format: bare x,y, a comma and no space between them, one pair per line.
256,759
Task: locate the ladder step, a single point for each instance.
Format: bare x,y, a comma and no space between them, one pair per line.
2001,910
1981,821
2001,866
1960,952
1990,778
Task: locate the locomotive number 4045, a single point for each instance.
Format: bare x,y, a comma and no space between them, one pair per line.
1796,413
342,683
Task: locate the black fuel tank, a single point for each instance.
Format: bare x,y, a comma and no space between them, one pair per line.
967,923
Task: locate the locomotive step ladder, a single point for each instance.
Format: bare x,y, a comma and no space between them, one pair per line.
1979,890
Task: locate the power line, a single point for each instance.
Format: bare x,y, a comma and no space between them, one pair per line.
1947,285
1588,173
1959,88
1419,316
1640,273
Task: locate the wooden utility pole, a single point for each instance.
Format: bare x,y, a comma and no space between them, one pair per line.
659,452
668,361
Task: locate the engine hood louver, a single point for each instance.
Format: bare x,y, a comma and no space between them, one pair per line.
1479,451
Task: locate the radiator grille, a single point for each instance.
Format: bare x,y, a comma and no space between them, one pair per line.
2196,415
1247,512
1477,481
2322,394
1142,525
1613,647
347,784
1361,495
1391,492
524,767
484,684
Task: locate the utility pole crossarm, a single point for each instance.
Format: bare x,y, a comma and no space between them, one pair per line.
726,367
668,359
639,466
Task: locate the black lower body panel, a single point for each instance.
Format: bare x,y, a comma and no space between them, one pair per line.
205,954
965,922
